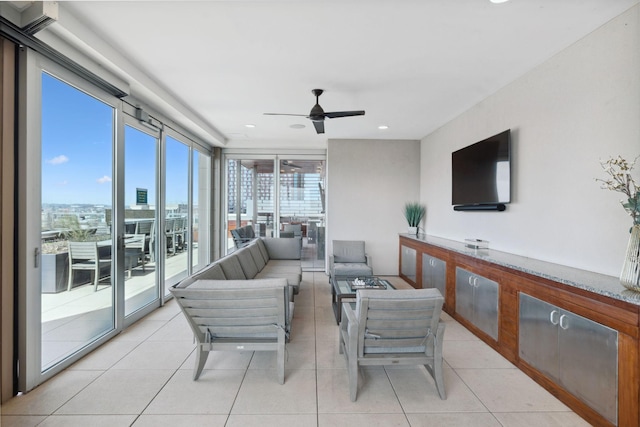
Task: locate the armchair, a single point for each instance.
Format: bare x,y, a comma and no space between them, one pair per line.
398,327
349,259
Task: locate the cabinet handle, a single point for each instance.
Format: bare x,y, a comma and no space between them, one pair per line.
470,280
563,324
475,282
553,322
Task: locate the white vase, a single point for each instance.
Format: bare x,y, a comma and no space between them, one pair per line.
630,276
413,230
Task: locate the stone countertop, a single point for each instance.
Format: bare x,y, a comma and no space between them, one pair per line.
597,283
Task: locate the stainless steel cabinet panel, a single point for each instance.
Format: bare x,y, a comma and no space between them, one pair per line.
588,362
408,263
486,305
538,336
464,294
477,301
434,274
577,353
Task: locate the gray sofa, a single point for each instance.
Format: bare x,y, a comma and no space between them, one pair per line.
261,258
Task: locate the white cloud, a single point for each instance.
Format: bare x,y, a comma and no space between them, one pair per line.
105,179
58,160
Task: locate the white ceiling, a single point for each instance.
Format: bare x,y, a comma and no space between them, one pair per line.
412,65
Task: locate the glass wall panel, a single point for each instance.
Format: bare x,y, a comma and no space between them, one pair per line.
250,199
302,207
201,187
77,299
140,153
176,211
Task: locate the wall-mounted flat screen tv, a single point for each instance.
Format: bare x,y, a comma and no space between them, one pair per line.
481,172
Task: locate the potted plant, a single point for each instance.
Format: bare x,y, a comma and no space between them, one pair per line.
621,180
414,212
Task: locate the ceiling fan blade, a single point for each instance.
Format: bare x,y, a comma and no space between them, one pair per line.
336,114
285,114
319,127
291,165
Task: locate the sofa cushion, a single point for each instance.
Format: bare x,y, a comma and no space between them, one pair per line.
283,263
254,249
246,262
212,272
263,249
232,268
283,248
293,279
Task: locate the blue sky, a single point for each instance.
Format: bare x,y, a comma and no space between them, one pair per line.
77,152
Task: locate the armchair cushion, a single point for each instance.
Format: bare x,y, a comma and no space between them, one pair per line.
348,251
351,269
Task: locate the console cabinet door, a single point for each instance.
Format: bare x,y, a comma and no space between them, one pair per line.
486,305
434,274
577,353
408,263
588,362
538,335
464,294
477,301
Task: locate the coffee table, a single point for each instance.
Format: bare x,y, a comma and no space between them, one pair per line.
342,291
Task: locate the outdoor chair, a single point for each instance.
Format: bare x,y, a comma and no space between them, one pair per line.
134,251
295,228
387,328
85,256
349,259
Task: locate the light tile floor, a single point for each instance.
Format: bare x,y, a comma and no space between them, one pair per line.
143,378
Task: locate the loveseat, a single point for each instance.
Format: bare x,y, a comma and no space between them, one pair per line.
261,258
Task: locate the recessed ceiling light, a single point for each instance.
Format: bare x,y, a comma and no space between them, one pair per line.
498,1
383,127
297,126
249,125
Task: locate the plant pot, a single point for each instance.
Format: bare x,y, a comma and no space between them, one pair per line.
55,272
413,230
630,276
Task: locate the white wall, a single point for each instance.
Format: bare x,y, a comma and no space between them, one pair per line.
576,109
368,183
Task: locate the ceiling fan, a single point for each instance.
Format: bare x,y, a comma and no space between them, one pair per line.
317,114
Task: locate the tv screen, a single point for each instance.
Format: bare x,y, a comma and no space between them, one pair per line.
481,173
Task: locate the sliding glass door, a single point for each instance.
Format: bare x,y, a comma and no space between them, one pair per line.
113,211
302,207
293,208
250,198
176,223
140,216
71,247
